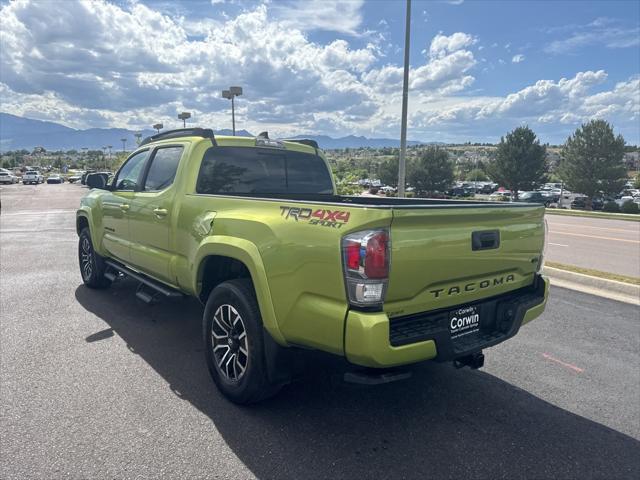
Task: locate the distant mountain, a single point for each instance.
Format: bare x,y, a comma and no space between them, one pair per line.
351,141
19,132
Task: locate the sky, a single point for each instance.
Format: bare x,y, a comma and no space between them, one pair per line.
478,68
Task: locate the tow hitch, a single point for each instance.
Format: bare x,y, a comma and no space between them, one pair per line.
474,361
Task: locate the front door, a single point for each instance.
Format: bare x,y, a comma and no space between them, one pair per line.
152,215
116,207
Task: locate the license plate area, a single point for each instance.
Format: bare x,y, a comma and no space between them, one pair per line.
465,322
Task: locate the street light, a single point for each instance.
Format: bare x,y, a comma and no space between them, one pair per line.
109,147
159,126
405,98
183,116
124,142
231,94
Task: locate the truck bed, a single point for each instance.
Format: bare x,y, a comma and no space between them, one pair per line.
383,202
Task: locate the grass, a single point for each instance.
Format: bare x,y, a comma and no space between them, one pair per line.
595,273
582,213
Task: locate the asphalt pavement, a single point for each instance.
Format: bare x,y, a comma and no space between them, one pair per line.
600,244
95,384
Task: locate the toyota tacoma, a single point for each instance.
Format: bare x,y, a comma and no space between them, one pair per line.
254,228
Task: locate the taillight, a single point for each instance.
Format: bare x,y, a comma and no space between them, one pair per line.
366,266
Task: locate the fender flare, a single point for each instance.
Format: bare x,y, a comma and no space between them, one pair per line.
246,252
85,212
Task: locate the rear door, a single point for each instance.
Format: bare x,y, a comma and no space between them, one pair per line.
435,264
151,214
116,206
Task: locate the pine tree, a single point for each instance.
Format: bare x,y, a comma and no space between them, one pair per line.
592,160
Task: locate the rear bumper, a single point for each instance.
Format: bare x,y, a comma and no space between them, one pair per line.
372,340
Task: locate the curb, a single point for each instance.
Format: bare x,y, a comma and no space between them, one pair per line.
623,292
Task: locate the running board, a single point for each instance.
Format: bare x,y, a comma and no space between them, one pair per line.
146,281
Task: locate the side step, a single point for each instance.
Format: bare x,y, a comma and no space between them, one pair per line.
154,285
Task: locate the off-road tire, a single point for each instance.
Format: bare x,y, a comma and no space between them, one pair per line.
253,384
92,265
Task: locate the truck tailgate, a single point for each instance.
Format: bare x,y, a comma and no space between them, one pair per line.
434,264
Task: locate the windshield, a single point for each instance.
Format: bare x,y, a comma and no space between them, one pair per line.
242,170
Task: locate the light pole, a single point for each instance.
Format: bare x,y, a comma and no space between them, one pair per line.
405,98
104,156
124,142
231,94
109,147
138,137
183,116
158,126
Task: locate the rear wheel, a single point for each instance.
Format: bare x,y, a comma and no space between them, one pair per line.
92,265
234,345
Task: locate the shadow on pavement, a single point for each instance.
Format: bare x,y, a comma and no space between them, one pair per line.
441,423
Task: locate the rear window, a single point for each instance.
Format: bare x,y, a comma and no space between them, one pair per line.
31,173
242,171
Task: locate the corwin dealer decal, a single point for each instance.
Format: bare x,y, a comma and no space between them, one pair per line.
322,217
464,322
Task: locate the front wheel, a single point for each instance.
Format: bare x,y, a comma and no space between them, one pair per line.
233,343
92,265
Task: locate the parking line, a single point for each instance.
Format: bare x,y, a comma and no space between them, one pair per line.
564,364
599,228
558,244
595,236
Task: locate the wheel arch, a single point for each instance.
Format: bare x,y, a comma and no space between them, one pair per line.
222,258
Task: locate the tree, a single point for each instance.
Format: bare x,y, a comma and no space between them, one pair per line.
592,160
432,171
388,172
476,175
520,162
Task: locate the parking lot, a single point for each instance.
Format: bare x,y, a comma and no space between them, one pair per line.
95,384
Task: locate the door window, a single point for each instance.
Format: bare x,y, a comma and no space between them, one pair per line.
163,168
129,174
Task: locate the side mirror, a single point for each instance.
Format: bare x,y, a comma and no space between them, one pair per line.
97,180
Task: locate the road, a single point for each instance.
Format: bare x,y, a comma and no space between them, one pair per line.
601,244
96,384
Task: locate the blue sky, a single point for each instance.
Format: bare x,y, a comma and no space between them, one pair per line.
478,68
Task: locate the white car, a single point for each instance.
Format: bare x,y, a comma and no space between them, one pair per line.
8,177
32,177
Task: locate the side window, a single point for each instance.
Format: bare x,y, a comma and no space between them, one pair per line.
163,168
128,175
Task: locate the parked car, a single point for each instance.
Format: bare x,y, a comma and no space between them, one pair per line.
7,177
32,177
500,196
534,197
282,261
74,178
580,203
55,178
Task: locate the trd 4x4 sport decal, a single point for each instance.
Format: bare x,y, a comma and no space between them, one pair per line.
324,218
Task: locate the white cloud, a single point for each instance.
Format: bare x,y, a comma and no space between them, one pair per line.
556,107
605,32
442,45
330,15
517,58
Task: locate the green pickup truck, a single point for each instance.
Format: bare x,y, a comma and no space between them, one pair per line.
253,228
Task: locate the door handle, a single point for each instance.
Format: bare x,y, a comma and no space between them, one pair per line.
124,207
160,212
